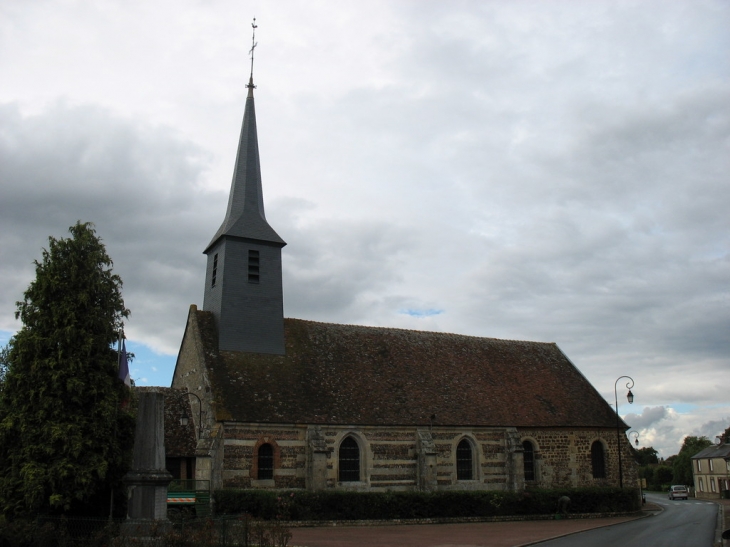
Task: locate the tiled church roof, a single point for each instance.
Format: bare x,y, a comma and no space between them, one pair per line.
344,374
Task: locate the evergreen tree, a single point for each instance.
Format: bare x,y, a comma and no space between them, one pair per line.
682,463
726,436
63,439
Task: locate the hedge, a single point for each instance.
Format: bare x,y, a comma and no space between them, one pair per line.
346,505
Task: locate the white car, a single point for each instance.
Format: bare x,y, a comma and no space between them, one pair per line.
678,492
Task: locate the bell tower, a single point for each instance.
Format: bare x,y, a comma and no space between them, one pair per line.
243,285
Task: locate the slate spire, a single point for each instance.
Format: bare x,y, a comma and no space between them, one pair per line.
245,214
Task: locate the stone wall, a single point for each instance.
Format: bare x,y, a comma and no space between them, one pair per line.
393,458
190,374
563,457
389,457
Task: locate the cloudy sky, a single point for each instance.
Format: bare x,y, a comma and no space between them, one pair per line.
533,170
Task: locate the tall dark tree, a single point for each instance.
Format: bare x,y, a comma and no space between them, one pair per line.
663,476
63,439
4,353
646,455
682,463
726,435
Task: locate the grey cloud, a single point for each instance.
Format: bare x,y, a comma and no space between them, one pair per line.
650,417
712,429
136,183
337,269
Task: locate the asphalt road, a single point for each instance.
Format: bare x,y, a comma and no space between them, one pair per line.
689,523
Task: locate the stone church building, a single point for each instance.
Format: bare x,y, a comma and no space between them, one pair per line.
289,403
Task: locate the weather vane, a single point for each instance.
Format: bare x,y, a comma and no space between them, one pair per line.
253,46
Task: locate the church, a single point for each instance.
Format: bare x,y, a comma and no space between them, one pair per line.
290,403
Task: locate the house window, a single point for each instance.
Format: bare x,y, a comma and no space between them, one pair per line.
464,465
598,460
214,276
266,462
713,486
529,459
710,461
699,465
702,485
349,460
253,266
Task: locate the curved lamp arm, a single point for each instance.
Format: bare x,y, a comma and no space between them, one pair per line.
184,418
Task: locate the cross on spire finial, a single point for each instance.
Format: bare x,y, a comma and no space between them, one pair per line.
254,26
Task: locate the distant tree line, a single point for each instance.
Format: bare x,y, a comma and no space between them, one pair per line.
676,469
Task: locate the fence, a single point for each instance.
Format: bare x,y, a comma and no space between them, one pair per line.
193,493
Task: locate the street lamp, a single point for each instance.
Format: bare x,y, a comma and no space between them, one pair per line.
636,436
184,419
630,398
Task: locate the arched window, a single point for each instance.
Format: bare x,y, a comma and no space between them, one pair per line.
266,462
349,460
529,459
464,461
598,460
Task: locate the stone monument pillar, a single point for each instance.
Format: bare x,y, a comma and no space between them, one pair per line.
316,459
514,461
148,479
426,450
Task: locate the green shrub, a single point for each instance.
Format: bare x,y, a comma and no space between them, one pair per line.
345,505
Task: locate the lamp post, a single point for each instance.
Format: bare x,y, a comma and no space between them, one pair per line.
630,398
635,434
184,419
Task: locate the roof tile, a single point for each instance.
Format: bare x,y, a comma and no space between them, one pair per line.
347,374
